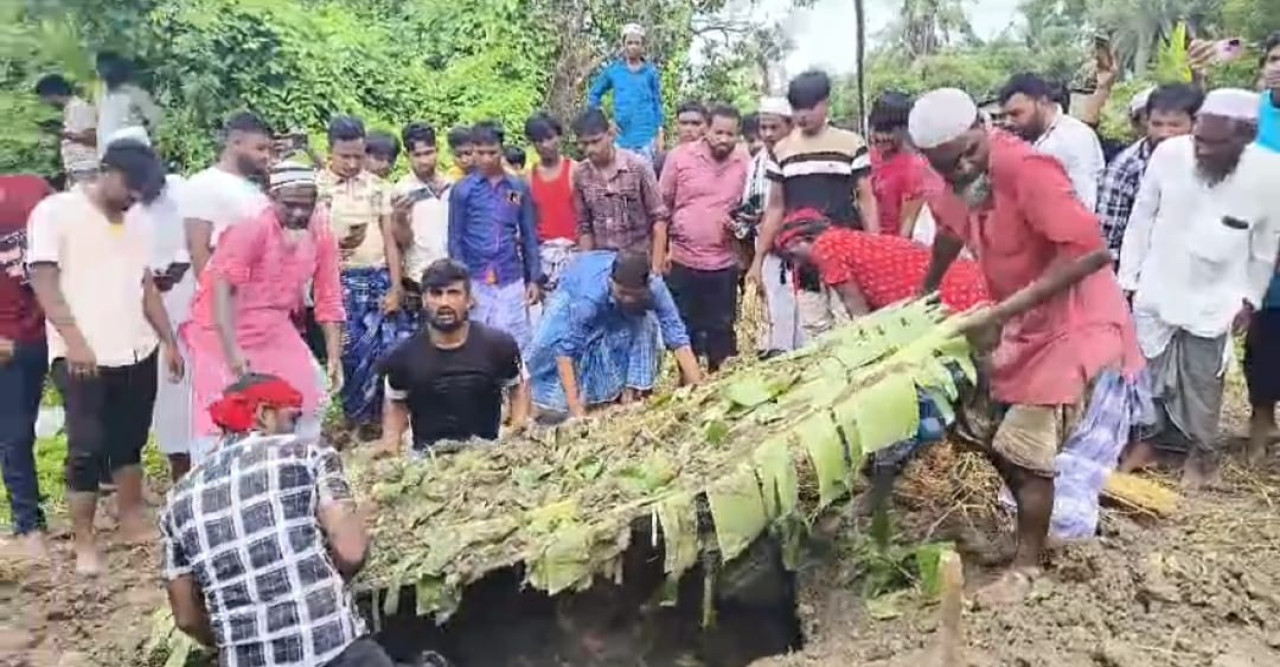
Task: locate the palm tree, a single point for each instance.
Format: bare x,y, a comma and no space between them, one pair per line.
925,26
1139,27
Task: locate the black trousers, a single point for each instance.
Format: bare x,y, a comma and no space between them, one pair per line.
108,418
363,652
1262,358
708,304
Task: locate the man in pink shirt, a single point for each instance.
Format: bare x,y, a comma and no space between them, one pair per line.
701,183
1035,244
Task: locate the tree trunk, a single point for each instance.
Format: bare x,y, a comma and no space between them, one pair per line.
860,12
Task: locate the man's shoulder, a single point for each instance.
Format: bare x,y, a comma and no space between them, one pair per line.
490,338
830,140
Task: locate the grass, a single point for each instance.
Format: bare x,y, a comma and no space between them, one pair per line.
51,454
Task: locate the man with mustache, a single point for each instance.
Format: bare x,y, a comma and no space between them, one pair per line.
599,338
1036,112
1168,111
1034,240
448,381
1198,255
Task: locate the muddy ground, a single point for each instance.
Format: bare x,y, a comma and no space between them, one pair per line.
1199,588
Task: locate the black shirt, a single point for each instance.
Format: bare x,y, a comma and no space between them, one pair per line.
453,394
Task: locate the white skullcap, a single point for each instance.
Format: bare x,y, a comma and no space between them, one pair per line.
131,133
289,173
776,106
1138,104
631,29
940,116
1235,103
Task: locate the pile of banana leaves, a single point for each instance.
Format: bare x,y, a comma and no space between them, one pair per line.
767,445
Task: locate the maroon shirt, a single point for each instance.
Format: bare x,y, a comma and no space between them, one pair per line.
21,319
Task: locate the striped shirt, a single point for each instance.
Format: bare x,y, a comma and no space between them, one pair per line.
821,171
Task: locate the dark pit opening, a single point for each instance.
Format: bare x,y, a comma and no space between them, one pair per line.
500,623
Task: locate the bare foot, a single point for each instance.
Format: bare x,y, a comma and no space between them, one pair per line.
1198,474
1139,456
135,529
89,561
1011,588
34,545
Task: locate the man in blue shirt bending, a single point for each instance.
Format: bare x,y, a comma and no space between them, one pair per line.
637,95
493,232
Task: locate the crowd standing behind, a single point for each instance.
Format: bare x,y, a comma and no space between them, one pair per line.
222,310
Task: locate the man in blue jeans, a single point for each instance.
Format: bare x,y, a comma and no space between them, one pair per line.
637,96
23,361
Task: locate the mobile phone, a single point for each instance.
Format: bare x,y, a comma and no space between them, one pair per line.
1227,50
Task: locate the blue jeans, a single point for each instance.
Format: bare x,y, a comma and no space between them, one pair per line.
21,386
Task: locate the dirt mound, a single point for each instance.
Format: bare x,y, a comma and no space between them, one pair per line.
1200,589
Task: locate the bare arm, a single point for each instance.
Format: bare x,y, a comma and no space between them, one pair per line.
519,403
341,523
153,308
45,282
910,212
1055,280
199,242
189,613
392,248
395,421
690,372
770,222
946,248
868,206
224,318
569,378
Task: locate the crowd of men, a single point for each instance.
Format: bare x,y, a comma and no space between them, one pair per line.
222,310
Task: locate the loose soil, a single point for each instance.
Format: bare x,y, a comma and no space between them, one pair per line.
1201,588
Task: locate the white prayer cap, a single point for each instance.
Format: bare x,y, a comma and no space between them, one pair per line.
776,106
1138,103
289,173
131,133
940,116
633,29
1234,103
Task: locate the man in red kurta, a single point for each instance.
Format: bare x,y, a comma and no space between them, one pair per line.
1014,208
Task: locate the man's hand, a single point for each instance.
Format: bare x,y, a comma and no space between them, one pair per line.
355,236
6,350
532,294
1105,71
1243,319
1201,54
661,264
334,371
400,207
391,303
238,363
173,362
81,363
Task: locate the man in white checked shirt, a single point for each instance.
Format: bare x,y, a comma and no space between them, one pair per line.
261,538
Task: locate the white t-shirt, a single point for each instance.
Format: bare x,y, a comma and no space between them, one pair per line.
429,219
1077,149
221,198
101,269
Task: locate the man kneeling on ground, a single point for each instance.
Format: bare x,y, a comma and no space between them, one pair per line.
601,335
261,538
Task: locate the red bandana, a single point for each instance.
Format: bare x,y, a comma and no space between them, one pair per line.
237,412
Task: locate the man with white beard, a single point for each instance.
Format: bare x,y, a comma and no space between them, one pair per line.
1197,256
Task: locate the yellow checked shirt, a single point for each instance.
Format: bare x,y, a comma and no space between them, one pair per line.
356,206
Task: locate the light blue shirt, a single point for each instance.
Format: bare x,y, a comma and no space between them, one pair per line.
1269,137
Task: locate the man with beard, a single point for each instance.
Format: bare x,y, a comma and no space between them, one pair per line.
107,329
1198,255
1170,110
776,277
229,191
447,382
820,167
1037,244
241,316
1032,113
599,342
701,185
1262,346
616,198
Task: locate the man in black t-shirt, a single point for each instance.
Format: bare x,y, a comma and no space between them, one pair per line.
447,382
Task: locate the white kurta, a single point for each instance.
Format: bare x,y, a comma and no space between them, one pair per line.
171,419
1193,253
1076,147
